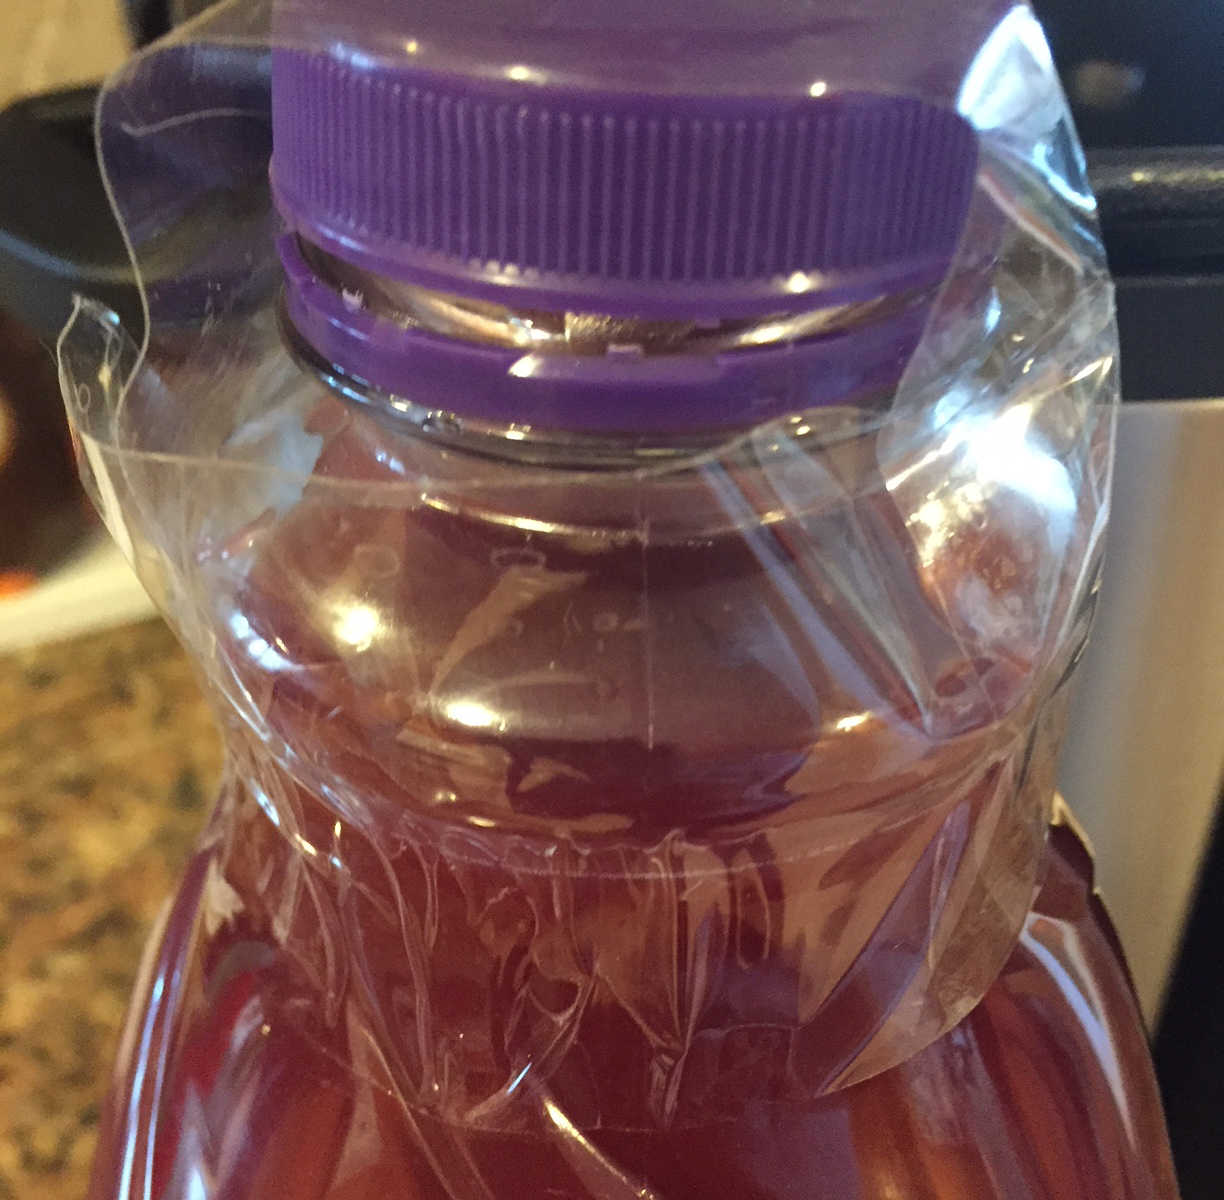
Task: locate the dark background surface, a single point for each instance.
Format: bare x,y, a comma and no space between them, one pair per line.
1174,47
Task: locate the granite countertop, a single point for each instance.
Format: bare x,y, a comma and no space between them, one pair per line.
108,758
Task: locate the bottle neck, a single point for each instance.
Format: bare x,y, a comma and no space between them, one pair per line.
589,334
558,383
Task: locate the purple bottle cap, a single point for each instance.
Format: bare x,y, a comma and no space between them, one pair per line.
668,162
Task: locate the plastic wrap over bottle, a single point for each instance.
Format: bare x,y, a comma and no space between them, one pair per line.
586,820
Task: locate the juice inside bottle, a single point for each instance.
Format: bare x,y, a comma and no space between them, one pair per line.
641,677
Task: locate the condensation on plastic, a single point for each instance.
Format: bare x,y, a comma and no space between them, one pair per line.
571,804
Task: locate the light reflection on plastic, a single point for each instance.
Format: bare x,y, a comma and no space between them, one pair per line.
604,1176
1100,368
358,625
305,846
197,1189
265,803
994,313
1005,455
997,82
526,367
256,647
955,400
557,1116
764,335
1010,86
386,459
846,724
522,74
471,713
357,59
899,477
1000,455
1088,1009
1056,176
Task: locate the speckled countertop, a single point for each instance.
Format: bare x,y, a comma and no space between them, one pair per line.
108,757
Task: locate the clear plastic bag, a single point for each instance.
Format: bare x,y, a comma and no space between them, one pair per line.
584,815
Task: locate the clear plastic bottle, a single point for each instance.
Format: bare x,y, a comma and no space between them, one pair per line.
635,489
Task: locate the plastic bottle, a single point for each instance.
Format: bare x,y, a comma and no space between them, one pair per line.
638,555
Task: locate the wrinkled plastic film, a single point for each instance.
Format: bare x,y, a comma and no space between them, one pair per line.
570,804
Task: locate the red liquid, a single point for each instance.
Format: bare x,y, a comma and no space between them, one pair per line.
626,868
1045,1090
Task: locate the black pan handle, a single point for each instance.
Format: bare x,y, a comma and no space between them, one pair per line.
57,233
1162,209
